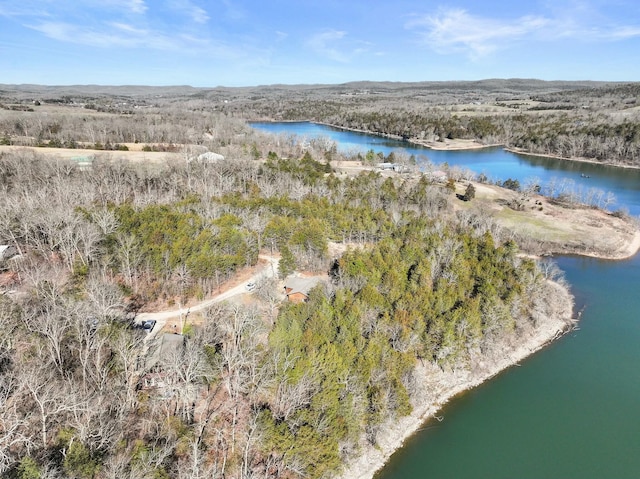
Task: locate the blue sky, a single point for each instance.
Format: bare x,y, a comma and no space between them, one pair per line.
252,42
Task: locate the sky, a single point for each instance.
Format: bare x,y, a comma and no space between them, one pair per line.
261,42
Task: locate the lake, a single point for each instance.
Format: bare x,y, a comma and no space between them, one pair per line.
569,411
495,163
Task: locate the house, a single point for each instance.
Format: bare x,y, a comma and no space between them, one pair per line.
166,348
83,162
386,166
296,289
7,251
397,167
437,176
209,157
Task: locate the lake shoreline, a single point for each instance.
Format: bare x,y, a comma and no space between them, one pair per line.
446,145
438,387
459,144
591,161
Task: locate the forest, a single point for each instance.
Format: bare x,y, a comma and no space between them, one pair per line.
592,120
252,394
266,389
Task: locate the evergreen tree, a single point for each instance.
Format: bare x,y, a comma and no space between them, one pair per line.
469,193
287,263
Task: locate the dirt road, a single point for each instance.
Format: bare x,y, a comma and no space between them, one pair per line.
269,270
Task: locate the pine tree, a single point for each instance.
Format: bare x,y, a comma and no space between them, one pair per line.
470,193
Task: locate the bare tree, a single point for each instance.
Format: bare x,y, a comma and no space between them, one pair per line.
14,435
127,347
50,317
52,398
267,291
189,370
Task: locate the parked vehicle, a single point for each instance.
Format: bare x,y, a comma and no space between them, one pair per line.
149,325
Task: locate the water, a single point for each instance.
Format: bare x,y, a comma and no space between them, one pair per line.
570,411
495,163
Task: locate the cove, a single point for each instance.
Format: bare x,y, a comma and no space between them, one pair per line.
569,411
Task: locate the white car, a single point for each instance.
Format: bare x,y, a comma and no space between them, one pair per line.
250,286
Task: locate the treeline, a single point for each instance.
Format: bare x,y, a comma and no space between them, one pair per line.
595,137
597,123
431,126
77,128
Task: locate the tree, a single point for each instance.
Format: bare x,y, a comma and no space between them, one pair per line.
267,291
469,193
511,184
287,263
51,399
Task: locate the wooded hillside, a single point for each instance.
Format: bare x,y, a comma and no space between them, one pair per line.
267,389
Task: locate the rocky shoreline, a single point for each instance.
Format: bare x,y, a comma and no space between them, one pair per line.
437,387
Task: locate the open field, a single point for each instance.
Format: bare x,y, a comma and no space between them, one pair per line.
558,228
81,154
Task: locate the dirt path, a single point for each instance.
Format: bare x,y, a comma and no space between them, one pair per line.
268,270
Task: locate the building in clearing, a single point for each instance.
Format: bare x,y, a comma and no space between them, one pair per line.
296,289
83,161
165,350
437,176
397,167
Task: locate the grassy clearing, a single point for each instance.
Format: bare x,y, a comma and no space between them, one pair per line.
561,229
535,226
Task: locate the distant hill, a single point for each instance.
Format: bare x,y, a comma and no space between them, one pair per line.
501,86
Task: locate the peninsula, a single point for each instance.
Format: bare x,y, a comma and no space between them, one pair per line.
150,248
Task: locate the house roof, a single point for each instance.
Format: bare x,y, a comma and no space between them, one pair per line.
7,251
295,284
166,345
210,156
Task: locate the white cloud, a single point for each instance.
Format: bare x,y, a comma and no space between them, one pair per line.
233,11
457,30
138,6
30,8
112,35
324,44
53,9
191,10
124,35
130,29
199,15
622,33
